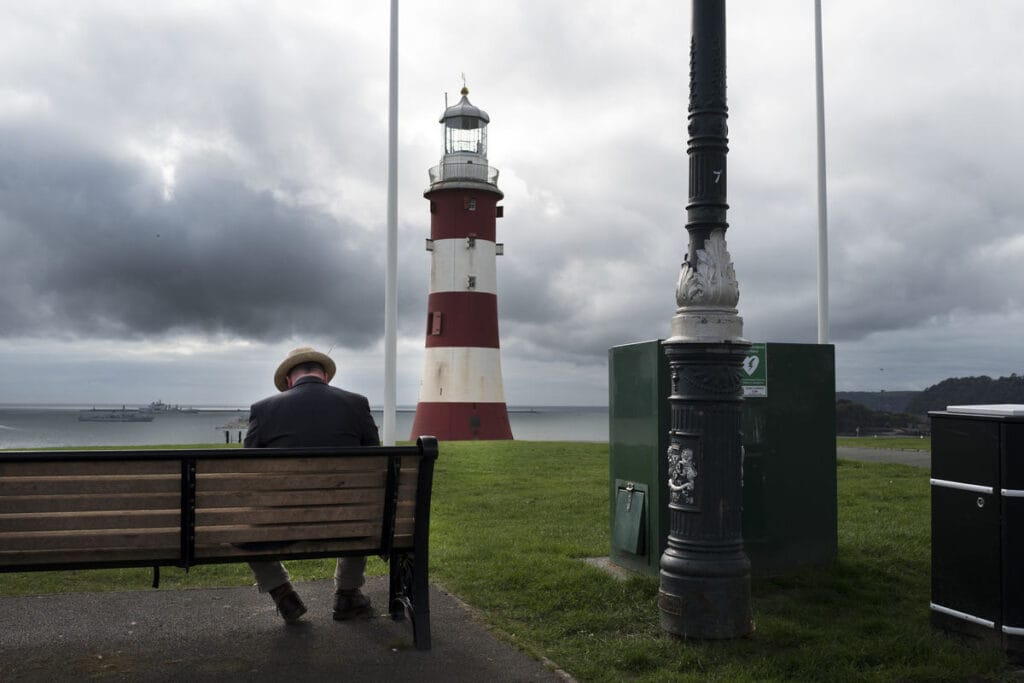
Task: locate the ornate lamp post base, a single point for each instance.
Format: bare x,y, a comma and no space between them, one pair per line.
705,575
702,606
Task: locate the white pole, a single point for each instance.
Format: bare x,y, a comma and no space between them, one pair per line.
822,203
391,284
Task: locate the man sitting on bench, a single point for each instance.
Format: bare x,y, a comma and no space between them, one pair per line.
309,412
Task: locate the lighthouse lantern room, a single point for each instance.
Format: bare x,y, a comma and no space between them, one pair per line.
461,392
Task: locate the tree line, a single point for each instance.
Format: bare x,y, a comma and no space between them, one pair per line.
854,418
958,391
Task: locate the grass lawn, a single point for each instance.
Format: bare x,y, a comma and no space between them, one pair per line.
899,443
511,521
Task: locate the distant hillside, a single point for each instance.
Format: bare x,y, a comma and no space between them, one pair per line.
884,401
968,391
857,420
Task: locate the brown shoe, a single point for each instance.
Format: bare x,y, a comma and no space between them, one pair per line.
350,604
289,604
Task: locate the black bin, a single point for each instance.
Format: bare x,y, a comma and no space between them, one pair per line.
977,487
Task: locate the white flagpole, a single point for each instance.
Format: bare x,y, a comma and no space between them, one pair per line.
391,283
822,202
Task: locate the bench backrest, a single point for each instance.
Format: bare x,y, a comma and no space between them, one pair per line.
185,507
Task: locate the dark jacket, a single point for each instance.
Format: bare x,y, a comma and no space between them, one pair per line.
311,413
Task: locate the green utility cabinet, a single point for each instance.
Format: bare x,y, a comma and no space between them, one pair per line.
638,423
789,463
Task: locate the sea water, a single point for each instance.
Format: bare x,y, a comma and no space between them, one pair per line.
59,426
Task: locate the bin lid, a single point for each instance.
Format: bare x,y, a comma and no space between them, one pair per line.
1009,409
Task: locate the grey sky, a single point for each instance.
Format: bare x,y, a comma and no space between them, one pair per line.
188,191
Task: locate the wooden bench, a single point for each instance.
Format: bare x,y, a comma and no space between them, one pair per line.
180,508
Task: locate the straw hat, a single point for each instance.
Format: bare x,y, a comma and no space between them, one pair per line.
303,354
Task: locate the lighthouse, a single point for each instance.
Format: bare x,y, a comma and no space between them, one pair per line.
461,393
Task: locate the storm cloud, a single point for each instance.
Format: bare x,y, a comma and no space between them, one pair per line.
204,182
94,248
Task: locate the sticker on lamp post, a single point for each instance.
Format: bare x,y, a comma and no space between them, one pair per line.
755,371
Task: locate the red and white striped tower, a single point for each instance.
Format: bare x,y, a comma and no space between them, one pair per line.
461,394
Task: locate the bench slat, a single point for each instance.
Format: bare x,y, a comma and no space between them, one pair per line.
286,515
213,535
408,480
253,482
16,558
89,468
102,523
146,483
299,464
123,519
81,502
407,488
352,545
224,499
170,555
168,537
276,465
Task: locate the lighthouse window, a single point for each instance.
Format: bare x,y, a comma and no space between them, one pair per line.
470,203
471,282
434,323
460,140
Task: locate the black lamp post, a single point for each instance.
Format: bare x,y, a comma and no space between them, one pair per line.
705,574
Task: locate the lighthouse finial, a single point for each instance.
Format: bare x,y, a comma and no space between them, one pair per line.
465,90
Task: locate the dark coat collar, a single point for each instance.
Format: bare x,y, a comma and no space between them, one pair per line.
308,379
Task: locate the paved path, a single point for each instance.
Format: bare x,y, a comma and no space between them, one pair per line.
234,634
915,458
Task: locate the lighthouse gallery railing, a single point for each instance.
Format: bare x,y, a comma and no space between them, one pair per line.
464,171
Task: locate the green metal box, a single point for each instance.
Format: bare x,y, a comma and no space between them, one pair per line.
789,464
638,438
